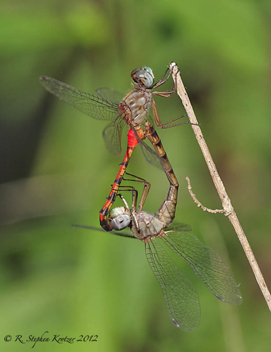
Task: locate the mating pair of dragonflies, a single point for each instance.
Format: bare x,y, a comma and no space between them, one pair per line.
180,296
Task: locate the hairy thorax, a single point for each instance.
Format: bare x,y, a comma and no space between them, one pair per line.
136,105
146,226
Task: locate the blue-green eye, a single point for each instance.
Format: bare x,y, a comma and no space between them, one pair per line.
144,76
148,69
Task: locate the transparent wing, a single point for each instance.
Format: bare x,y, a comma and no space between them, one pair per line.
181,297
150,118
91,105
102,230
112,136
110,95
206,263
150,155
178,226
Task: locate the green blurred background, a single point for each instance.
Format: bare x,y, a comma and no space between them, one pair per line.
55,170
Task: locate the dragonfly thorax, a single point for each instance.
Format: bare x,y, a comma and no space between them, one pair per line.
136,105
146,225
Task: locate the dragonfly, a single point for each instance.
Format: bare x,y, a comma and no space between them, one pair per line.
161,155
157,232
132,110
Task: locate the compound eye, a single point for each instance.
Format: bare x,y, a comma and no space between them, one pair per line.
120,222
143,75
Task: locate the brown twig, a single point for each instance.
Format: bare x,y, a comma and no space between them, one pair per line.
226,203
193,196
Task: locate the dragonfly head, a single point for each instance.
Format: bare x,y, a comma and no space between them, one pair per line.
144,76
120,218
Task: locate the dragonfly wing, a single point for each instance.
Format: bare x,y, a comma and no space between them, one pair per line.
102,230
180,295
150,118
206,263
150,155
112,136
91,105
178,226
110,95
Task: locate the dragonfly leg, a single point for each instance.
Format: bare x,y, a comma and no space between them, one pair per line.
167,124
124,200
146,188
144,195
134,195
137,178
134,203
167,72
164,79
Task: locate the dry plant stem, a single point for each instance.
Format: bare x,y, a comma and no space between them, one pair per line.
222,211
226,203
